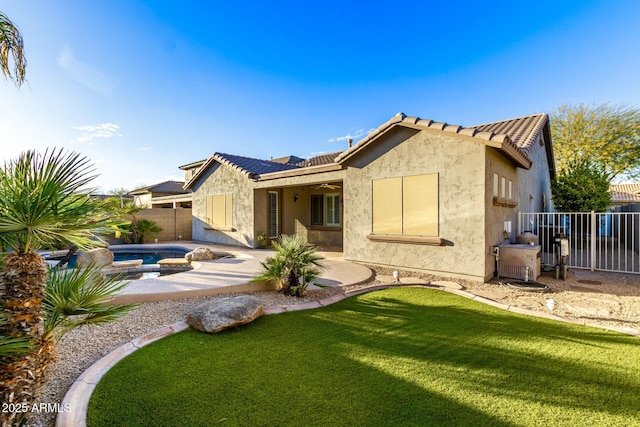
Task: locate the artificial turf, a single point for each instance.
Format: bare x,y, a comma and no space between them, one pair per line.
402,356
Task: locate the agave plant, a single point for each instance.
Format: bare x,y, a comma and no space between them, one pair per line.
76,297
294,266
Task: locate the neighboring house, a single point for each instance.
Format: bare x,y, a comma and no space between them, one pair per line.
191,168
167,194
624,194
412,194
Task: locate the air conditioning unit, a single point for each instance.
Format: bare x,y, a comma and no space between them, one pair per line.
515,260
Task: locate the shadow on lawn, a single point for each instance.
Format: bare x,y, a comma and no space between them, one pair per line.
399,356
504,354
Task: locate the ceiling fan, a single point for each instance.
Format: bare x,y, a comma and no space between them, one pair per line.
327,187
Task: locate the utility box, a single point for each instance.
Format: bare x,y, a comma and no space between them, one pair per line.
519,261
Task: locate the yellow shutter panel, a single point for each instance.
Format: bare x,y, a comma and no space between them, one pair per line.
228,199
420,205
387,206
218,210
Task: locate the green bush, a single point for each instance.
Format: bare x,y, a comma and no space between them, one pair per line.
293,267
142,230
263,240
581,187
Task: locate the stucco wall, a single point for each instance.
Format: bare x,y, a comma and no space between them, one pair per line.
497,215
175,223
143,200
295,215
532,192
536,182
221,179
460,164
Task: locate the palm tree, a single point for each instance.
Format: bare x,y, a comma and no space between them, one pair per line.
41,203
144,229
77,297
12,348
293,267
11,51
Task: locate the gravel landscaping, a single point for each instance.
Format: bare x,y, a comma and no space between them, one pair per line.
602,298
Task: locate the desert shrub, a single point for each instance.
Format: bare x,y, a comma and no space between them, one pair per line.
293,267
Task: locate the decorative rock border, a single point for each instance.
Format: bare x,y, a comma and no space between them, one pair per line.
80,391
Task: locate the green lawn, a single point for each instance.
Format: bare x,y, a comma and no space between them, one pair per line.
402,356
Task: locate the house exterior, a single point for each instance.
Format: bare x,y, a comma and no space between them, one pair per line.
167,194
413,194
624,194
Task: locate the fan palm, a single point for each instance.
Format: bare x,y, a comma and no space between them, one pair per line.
143,230
77,297
11,51
293,267
12,348
41,203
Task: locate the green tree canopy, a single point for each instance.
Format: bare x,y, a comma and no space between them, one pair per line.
13,63
581,187
606,135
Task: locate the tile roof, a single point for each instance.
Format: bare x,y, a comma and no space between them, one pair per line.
291,160
322,159
193,164
251,166
248,166
176,187
522,131
624,193
515,137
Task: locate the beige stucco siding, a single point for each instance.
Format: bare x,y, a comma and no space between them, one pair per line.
496,214
143,200
534,191
460,165
295,213
221,179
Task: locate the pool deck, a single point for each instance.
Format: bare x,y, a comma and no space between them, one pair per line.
227,275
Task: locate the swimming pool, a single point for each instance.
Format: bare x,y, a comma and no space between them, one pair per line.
147,256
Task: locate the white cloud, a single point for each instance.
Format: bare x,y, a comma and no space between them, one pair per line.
358,134
85,74
144,148
89,133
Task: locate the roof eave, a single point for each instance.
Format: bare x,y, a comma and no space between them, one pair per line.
189,184
514,154
193,165
298,172
498,141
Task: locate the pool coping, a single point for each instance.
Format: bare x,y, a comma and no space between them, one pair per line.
79,394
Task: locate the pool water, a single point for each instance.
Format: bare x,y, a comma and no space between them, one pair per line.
146,257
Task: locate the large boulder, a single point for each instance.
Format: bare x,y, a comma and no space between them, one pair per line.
102,257
200,254
219,314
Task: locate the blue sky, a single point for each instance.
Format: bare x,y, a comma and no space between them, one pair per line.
142,87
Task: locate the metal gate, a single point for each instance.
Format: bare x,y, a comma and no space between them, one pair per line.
606,241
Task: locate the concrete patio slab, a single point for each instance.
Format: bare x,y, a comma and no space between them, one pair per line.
228,275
